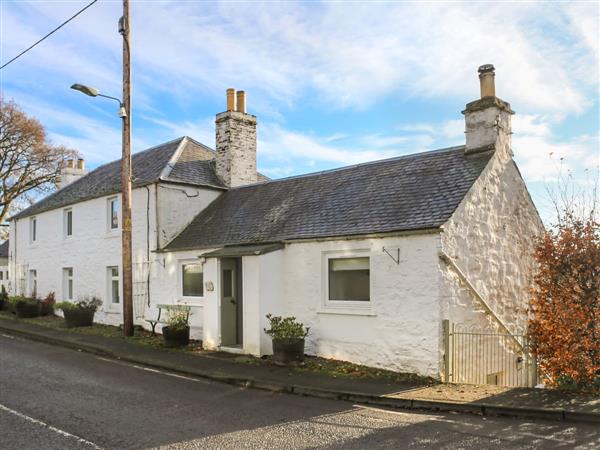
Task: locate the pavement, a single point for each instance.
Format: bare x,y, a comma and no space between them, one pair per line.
52,397
481,400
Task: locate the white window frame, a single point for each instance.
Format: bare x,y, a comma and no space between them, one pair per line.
109,203
33,230
66,279
359,306
110,306
66,213
187,298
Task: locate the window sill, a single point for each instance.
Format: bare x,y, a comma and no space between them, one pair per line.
368,312
112,234
112,311
197,302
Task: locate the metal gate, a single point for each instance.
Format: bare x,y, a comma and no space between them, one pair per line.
475,357
141,283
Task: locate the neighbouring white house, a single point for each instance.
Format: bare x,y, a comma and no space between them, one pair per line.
375,258
4,279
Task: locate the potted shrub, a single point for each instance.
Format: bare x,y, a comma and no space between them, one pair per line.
81,313
27,307
288,338
47,305
176,332
3,298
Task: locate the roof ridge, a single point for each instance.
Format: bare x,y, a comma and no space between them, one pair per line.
353,166
201,144
168,168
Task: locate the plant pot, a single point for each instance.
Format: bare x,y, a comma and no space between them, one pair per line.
79,317
288,351
26,310
176,337
46,309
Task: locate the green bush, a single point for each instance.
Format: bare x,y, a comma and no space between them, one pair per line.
89,302
286,328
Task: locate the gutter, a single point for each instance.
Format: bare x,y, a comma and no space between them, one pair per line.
349,237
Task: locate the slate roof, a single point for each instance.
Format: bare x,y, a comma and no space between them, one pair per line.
413,192
193,165
4,250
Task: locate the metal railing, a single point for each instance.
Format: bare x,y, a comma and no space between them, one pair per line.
475,357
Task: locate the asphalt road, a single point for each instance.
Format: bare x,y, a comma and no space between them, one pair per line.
55,398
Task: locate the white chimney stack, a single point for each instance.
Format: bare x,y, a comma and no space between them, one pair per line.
236,142
71,172
487,120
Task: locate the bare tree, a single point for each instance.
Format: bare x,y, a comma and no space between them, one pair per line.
29,163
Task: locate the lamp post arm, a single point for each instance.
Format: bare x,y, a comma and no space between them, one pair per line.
112,98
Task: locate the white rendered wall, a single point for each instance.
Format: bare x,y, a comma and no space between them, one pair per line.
92,248
401,329
178,205
89,251
165,288
491,237
263,293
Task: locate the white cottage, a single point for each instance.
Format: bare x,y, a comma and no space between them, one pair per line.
373,257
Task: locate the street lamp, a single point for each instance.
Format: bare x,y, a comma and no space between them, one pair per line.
126,208
125,114
93,92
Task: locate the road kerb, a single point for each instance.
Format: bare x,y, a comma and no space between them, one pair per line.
360,398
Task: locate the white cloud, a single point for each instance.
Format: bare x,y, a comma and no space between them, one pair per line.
351,56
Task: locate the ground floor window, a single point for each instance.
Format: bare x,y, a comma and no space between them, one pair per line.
113,285
192,280
33,283
68,283
349,279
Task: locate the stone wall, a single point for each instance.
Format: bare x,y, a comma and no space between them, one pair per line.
236,148
491,238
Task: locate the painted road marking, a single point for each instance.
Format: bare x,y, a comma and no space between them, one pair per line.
149,369
50,427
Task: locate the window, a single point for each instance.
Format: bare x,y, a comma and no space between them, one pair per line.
113,213
192,280
349,279
33,283
1,275
113,285
68,222
68,283
33,229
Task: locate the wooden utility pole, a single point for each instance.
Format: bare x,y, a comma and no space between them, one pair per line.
126,177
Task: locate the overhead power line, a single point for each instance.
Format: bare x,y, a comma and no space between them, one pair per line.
49,34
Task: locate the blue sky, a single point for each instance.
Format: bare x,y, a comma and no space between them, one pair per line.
332,83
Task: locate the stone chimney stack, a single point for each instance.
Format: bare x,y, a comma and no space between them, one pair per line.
487,120
71,171
236,142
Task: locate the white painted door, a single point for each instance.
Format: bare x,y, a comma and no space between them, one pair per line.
228,302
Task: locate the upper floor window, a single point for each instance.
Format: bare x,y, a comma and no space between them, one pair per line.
113,213
349,279
33,229
68,222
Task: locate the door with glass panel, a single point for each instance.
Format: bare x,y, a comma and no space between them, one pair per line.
231,303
